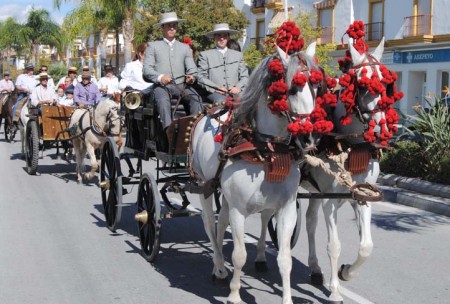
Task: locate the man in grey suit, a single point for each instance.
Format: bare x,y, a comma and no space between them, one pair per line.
169,64
222,71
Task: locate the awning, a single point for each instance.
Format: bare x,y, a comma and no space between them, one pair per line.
324,4
278,18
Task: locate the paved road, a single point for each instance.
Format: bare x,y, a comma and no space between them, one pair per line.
55,249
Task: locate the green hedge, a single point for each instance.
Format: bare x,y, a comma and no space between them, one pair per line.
405,159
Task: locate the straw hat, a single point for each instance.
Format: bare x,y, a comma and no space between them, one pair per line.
73,69
86,74
29,66
43,75
86,68
221,28
168,18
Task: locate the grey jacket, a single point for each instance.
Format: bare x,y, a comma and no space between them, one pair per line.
216,70
161,59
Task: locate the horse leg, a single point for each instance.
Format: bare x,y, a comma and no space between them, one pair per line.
330,209
94,164
363,217
239,256
286,220
80,152
311,226
219,273
260,261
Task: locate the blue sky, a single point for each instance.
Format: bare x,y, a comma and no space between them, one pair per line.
20,8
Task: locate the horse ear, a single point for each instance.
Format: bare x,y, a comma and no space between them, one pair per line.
378,53
284,57
311,50
357,58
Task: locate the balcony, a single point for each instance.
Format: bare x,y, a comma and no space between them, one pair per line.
417,25
374,31
258,6
326,36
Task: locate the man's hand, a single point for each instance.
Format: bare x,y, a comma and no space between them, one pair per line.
190,79
235,90
165,80
222,91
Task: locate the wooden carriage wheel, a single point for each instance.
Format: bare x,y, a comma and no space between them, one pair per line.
111,184
148,218
32,147
272,227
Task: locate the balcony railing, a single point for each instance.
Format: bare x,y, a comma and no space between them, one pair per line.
262,3
327,35
374,31
417,25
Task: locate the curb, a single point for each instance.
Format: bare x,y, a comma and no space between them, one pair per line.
416,193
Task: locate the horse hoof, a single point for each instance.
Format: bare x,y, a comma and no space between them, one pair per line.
317,278
261,266
340,273
221,283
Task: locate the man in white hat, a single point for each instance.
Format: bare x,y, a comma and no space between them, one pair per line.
86,69
169,64
25,84
222,71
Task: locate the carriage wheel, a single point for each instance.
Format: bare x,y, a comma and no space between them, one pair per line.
272,227
111,184
32,147
149,224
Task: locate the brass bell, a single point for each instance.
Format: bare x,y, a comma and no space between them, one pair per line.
105,185
186,140
188,134
188,128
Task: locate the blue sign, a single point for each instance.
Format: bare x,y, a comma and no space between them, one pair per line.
422,56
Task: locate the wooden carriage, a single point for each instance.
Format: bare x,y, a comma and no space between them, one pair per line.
46,128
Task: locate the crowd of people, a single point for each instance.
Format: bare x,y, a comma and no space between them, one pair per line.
165,66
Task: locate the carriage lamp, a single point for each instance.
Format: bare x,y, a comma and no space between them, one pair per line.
141,217
105,185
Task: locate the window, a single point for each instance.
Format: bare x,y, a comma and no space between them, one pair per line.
444,84
374,28
420,22
326,24
260,33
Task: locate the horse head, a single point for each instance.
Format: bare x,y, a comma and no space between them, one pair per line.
369,91
107,113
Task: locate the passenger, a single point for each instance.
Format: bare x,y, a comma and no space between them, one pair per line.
87,69
60,96
25,84
72,73
68,101
132,73
51,83
109,84
170,65
222,71
68,82
86,93
42,94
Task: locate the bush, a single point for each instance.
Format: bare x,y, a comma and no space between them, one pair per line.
405,159
443,175
57,71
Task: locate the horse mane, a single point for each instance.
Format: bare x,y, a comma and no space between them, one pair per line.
259,82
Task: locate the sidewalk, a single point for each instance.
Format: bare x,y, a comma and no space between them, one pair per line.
416,193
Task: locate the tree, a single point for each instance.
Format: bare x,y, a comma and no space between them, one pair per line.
39,29
12,38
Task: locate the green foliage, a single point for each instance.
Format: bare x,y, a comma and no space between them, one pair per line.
252,56
200,15
57,71
434,126
11,36
405,159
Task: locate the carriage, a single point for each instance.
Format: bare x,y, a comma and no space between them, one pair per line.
45,129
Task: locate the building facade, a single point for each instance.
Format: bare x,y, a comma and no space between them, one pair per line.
416,32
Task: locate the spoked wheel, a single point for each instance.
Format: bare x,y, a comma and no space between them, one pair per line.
148,218
32,147
111,184
272,227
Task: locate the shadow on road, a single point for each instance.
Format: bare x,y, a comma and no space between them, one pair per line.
409,222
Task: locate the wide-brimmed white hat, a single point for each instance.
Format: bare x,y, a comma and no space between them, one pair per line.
43,75
221,28
168,18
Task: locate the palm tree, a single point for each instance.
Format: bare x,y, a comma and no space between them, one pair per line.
11,37
39,29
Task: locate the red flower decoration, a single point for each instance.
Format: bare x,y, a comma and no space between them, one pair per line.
276,69
299,79
187,40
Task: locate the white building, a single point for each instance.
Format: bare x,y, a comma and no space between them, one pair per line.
417,34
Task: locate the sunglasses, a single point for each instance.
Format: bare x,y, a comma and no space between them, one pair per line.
43,70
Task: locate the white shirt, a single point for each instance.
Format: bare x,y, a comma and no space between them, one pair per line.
132,76
223,51
112,84
42,93
27,81
6,84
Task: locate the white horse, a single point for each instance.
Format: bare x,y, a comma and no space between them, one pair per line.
90,128
244,185
368,110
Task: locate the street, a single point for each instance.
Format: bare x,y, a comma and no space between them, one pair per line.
55,248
